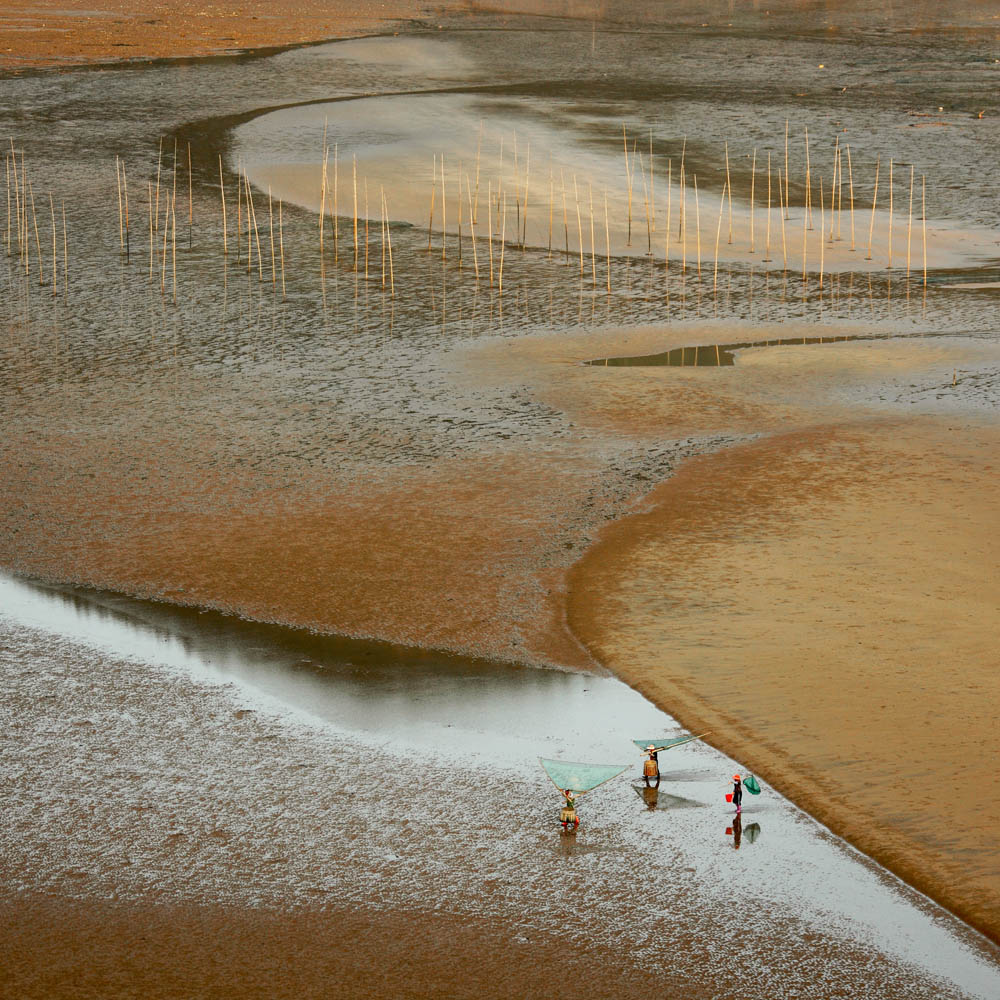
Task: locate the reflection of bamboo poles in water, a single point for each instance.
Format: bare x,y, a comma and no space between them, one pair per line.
381,189
871,227
524,214
38,242
909,225
388,239
459,178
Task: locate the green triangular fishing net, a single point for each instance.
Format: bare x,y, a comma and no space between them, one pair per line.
664,743
580,777
752,785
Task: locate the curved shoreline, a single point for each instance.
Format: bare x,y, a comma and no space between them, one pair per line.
771,725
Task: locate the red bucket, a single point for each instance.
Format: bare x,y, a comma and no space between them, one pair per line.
729,797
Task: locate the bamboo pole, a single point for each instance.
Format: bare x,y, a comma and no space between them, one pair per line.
489,225
767,239
666,239
850,184
159,163
697,220
354,180
66,253
718,236
645,199
163,255
125,191
222,194
579,224
607,237
239,213
190,204
527,169
909,224
923,223
459,179
38,242
430,218
121,210
808,182
783,211
444,223
322,194
388,235
682,220
562,178
551,195
871,227
366,226
55,262
729,188
479,147
787,216
173,224
381,195
822,227
472,226
336,203
628,182
253,216
149,185
270,226
281,248
753,181
890,213
7,166
593,251
503,242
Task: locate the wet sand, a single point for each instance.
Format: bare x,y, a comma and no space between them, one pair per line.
158,501
826,603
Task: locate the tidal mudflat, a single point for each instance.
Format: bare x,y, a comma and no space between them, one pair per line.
379,440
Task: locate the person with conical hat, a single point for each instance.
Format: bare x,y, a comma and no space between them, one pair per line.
651,766
567,815
737,793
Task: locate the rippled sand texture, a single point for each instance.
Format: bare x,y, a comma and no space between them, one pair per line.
826,601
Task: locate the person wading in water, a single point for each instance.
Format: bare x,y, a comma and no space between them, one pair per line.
737,793
651,767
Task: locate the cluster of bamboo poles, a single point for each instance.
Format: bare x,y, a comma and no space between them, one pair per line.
688,245
20,226
835,206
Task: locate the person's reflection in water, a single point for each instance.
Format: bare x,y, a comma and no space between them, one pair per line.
736,831
651,796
